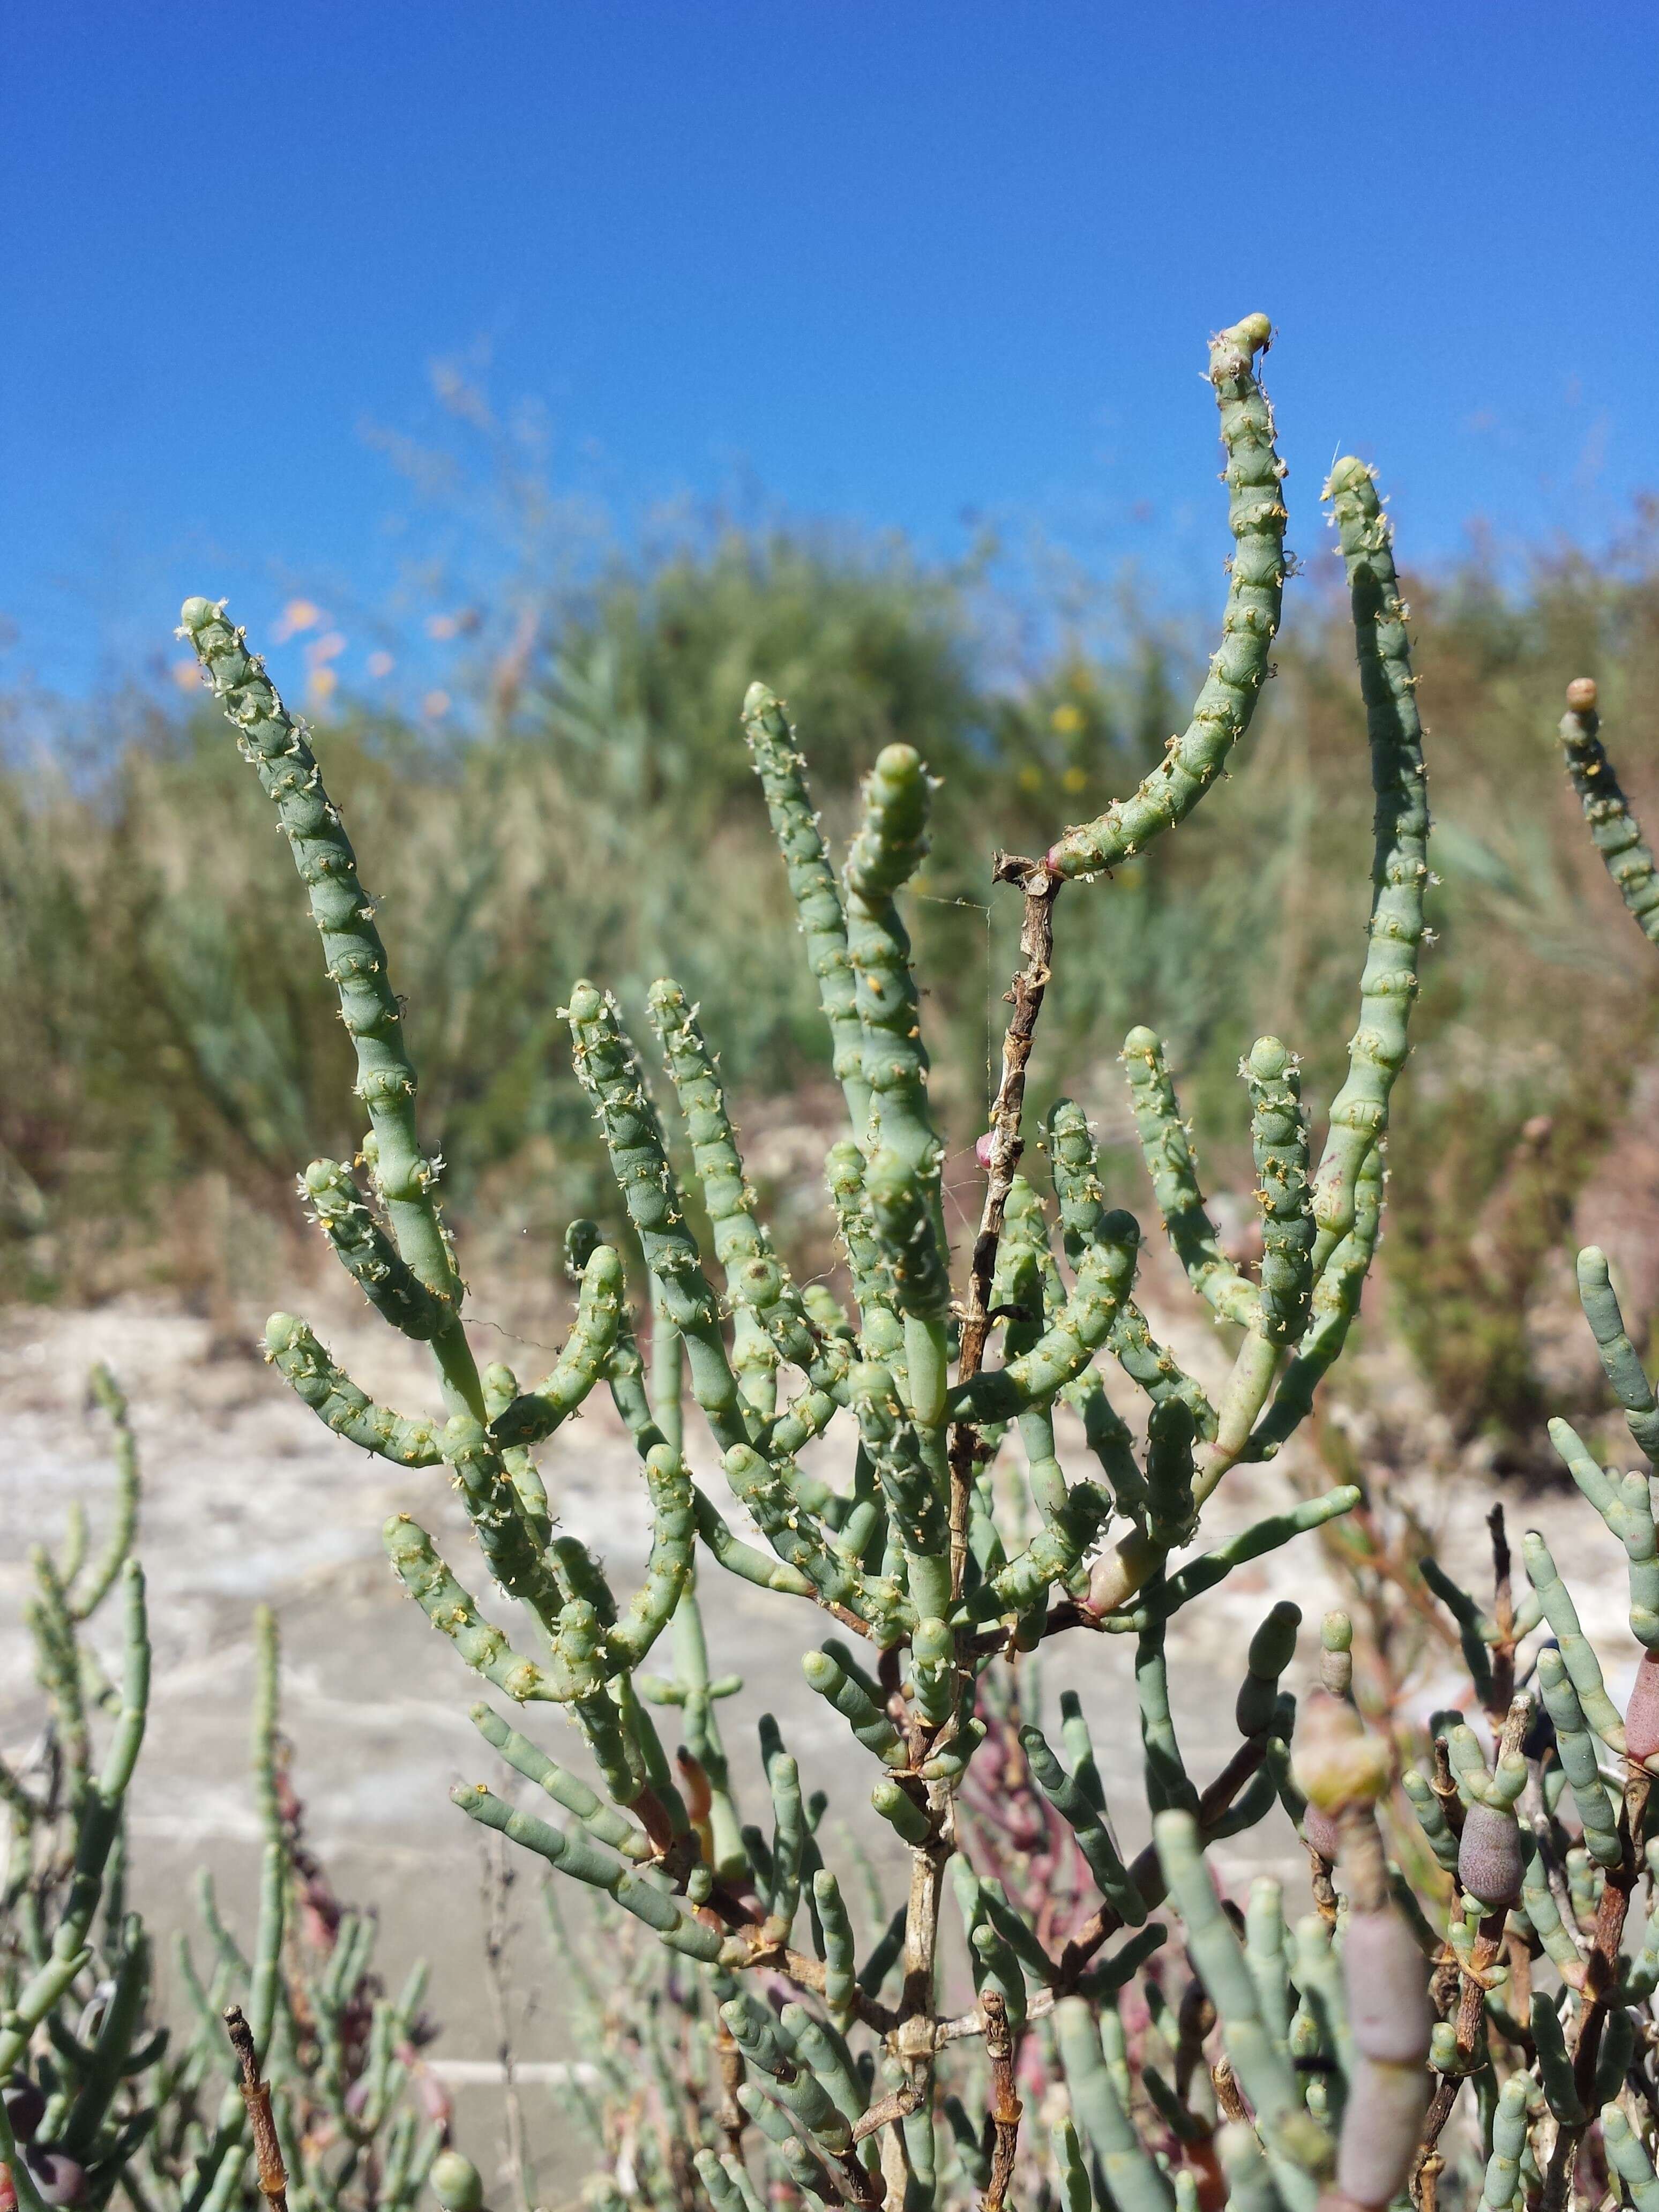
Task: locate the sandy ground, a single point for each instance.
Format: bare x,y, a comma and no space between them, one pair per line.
248,1497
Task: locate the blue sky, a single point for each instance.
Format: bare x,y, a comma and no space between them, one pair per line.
917,264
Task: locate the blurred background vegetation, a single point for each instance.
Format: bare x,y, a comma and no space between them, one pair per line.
172,1051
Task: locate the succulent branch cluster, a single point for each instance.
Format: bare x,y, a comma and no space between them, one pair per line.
1018,2027
932,1590
103,2092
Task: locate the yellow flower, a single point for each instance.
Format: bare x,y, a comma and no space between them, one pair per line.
1066,719
1030,777
1074,779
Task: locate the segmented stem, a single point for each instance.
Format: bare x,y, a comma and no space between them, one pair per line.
1256,515
782,774
1166,1147
313,1376
889,846
609,1071
1278,1136
739,1240
367,1254
276,745
1399,867
1614,830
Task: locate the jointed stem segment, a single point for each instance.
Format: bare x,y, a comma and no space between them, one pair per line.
1614,830
1399,872
279,750
1256,517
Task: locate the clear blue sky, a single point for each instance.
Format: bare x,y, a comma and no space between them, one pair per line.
897,263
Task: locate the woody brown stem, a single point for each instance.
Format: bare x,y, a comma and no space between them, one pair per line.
810,1974
1471,2002
731,2119
256,2095
858,2185
898,2107
1445,1788
1036,942
1006,2108
1601,1986
927,1864
1229,2103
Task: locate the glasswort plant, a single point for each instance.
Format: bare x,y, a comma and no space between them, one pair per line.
838,2064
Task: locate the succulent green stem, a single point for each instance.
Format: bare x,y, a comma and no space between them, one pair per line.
673,1529
564,1788
741,1242
1070,1797
1624,1504
369,1255
778,1514
743,1559
575,1854
422,1572
1577,1748
307,1368
873,1288
1064,1350
277,746
910,1487
1166,1147
839,1686
501,1391
1295,2145
1474,1630
1629,2159
101,1577
514,1547
98,1826
1278,1136
1263,1536
536,1413
782,774
1620,1363
1614,830
1053,1555
1580,1660
889,846
839,1971
1400,868
1127,2167
1083,1210
609,1071
1270,1651
1222,714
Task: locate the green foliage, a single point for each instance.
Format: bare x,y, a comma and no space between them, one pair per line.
762,2040
910,1550
167,1023
110,2090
